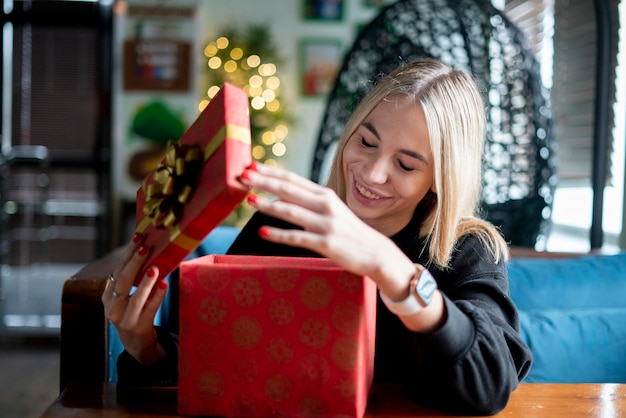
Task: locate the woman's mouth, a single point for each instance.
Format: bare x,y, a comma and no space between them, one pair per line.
366,193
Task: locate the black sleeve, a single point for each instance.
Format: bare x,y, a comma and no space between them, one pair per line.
248,242
132,374
474,362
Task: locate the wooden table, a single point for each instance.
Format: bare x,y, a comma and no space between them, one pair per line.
534,400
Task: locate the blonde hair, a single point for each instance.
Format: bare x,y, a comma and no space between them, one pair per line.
455,116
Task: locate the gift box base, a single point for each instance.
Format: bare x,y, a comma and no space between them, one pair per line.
274,336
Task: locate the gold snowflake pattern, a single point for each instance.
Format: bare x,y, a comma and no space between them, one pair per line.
345,353
346,388
313,371
247,292
213,280
210,383
282,311
278,388
212,311
246,332
314,333
279,351
316,293
347,317
350,283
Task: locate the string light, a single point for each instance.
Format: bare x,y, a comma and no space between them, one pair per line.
231,58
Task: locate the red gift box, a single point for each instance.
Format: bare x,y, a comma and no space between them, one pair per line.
195,186
274,336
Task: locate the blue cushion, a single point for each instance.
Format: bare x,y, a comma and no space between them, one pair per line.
571,283
217,242
576,346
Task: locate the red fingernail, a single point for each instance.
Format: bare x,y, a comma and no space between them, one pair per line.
264,232
253,166
136,237
253,199
151,272
246,175
162,284
143,250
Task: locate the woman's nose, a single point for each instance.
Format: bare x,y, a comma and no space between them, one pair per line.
377,171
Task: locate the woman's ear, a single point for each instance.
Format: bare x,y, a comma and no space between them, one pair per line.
433,188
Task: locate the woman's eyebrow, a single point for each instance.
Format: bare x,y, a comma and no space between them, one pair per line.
408,152
415,155
371,128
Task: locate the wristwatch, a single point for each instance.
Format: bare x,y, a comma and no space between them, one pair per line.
421,291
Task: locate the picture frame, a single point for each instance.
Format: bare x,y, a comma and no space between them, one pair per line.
319,62
157,65
323,10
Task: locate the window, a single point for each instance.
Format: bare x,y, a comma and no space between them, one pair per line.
563,34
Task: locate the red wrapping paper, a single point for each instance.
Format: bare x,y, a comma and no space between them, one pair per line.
222,133
274,337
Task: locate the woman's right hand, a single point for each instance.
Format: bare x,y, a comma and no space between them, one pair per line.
133,315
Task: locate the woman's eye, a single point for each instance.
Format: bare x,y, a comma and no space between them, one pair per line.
366,144
404,167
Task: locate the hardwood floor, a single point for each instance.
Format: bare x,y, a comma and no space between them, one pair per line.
29,376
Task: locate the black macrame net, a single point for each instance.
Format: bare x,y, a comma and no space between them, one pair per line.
519,169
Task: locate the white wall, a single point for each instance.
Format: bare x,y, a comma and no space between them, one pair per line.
283,18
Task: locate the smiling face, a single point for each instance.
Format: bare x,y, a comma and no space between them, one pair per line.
388,166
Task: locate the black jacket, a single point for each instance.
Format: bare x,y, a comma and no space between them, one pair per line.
468,366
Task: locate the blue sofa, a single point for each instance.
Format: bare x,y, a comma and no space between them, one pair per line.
572,316
572,312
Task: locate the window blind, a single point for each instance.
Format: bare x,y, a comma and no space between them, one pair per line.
573,63
55,101
530,17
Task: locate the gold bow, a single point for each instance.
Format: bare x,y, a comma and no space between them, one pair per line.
175,179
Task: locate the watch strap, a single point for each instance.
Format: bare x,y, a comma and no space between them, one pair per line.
410,305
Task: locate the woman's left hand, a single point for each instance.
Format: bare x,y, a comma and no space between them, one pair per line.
330,228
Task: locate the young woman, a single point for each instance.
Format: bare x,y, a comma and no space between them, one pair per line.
400,207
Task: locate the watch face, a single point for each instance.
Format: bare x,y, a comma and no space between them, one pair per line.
426,287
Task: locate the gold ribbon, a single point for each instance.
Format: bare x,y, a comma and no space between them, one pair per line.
230,131
175,179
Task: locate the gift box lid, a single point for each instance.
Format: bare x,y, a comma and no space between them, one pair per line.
195,187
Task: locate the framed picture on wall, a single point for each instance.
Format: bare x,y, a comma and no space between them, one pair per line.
323,10
319,62
157,65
